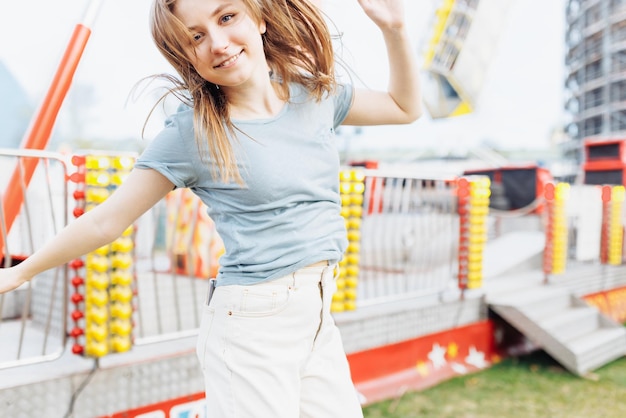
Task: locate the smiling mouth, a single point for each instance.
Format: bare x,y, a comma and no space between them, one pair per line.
229,61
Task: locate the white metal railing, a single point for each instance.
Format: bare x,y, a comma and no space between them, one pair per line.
32,324
409,237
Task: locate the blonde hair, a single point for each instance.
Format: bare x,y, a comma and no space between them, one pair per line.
298,49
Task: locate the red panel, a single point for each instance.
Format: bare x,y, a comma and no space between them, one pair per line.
611,303
165,407
619,142
386,360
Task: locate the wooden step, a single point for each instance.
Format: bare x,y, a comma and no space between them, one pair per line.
575,334
571,323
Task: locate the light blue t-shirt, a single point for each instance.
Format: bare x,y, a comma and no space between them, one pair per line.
287,214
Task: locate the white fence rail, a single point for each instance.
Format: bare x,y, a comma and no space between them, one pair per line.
34,329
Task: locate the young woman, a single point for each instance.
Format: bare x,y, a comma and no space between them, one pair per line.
254,140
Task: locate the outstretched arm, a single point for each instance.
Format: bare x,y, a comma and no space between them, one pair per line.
402,103
141,190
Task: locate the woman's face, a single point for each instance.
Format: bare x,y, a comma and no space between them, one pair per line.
227,47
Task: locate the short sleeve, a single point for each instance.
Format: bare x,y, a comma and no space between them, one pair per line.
343,102
173,152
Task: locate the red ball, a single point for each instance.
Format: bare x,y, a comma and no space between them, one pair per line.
77,298
78,160
76,332
77,315
77,281
77,263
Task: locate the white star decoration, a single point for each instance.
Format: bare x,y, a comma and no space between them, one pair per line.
476,358
458,368
437,356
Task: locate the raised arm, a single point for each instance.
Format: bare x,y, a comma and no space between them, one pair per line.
402,103
141,190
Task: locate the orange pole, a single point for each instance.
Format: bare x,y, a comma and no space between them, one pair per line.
43,122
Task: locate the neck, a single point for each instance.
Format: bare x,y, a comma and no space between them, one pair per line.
257,101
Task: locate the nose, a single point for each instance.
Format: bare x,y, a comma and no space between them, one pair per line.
219,43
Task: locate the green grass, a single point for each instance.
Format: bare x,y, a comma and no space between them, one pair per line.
532,386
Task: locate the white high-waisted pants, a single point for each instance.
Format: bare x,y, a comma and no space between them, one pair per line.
272,350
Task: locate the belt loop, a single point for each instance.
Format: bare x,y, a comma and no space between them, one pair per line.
323,273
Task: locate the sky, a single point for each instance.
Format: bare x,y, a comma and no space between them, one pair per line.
520,105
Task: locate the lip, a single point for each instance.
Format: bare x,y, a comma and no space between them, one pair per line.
229,61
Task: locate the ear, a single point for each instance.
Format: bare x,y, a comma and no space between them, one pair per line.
262,27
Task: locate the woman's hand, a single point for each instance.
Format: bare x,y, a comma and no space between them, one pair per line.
10,279
401,103
386,14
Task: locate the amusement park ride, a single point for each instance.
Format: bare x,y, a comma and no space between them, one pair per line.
438,272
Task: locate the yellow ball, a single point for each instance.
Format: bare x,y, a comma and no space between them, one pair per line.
121,327
358,188
96,349
345,187
120,344
121,261
97,297
122,244
97,178
96,332
353,259
349,305
103,251
352,270
337,306
122,294
123,163
121,310
338,296
121,277
356,211
354,223
358,175
354,247
345,175
119,178
96,194
97,263
354,235
352,281
95,162
97,314
97,280
356,199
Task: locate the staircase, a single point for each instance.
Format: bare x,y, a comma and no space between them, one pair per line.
575,334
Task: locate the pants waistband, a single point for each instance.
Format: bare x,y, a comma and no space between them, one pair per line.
311,274
319,264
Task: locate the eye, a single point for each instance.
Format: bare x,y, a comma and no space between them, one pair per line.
196,37
227,18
